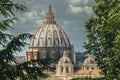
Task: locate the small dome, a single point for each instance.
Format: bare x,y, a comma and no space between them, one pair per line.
64,59
50,34
89,60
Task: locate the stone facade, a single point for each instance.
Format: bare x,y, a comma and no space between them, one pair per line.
64,68
89,69
89,63
49,41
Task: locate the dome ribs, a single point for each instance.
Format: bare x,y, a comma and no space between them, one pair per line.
50,40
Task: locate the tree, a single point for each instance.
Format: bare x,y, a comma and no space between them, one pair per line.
88,78
9,44
114,62
102,30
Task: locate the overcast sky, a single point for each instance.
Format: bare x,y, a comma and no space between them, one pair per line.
69,14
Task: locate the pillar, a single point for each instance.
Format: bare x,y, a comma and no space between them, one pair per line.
64,69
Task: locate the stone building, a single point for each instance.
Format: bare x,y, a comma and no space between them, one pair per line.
89,63
64,68
49,41
89,68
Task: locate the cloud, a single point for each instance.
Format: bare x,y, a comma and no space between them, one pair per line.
31,14
88,10
77,2
66,22
75,9
86,1
70,14
22,20
38,22
43,12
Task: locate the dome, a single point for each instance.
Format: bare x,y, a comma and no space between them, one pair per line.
64,59
49,41
89,60
50,34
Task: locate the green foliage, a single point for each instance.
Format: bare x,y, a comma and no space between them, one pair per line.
27,72
33,70
10,44
82,78
80,57
102,34
88,78
9,7
114,61
7,56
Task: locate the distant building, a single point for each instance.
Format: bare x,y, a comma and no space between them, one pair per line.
49,41
64,68
89,69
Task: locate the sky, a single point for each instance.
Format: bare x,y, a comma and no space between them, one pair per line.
69,14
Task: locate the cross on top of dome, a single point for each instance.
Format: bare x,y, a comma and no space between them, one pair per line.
50,16
50,10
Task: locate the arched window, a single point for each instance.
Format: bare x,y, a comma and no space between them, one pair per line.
87,68
61,69
57,55
41,41
67,70
48,54
38,55
52,54
35,56
56,41
92,68
42,38
49,40
43,55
